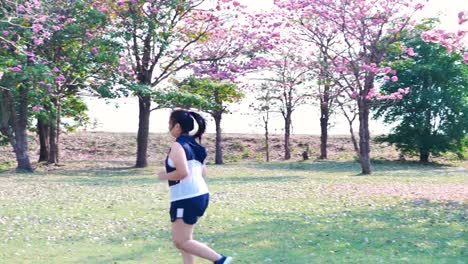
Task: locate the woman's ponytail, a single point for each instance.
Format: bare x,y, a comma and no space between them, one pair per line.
201,124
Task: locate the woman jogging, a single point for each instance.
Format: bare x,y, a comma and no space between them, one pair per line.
185,171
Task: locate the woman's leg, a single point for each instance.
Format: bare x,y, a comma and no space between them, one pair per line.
182,238
188,258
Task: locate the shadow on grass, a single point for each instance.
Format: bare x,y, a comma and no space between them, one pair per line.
253,179
390,168
104,180
413,232
107,176
100,172
110,182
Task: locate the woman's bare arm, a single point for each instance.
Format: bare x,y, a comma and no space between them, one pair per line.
177,155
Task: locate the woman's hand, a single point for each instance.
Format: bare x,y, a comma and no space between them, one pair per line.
162,175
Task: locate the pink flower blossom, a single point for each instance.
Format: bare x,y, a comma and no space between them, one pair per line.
60,78
465,57
387,69
46,35
95,50
37,27
17,68
37,41
37,108
462,17
410,52
394,78
5,33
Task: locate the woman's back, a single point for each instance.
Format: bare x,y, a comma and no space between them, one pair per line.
193,184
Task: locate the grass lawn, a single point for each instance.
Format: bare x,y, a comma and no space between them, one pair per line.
313,212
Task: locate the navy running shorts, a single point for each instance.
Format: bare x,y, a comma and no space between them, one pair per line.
189,209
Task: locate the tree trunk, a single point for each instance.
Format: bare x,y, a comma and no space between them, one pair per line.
324,117
267,143
6,104
43,133
21,136
424,155
219,150
323,137
143,131
287,136
353,139
351,129
424,149
53,148
364,136
57,126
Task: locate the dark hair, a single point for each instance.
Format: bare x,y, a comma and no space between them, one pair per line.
185,119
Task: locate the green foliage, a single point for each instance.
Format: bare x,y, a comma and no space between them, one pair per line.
433,118
232,157
3,139
247,153
79,51
170,98
203,94
259,157
75,113
88,61
216,95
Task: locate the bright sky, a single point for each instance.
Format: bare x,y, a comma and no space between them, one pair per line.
305,119
447,10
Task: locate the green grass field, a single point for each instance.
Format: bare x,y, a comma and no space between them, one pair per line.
313,212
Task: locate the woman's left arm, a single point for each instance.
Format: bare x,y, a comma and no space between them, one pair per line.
177,155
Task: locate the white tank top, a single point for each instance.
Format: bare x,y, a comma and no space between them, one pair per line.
193,184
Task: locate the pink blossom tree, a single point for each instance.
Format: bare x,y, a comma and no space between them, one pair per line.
366,30
314,34
23,27
48,51
234,49
159,37
289,74
453,41
84,59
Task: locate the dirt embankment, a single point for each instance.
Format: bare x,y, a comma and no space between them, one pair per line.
236,147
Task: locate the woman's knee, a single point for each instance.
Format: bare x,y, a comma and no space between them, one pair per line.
181,233
179,243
